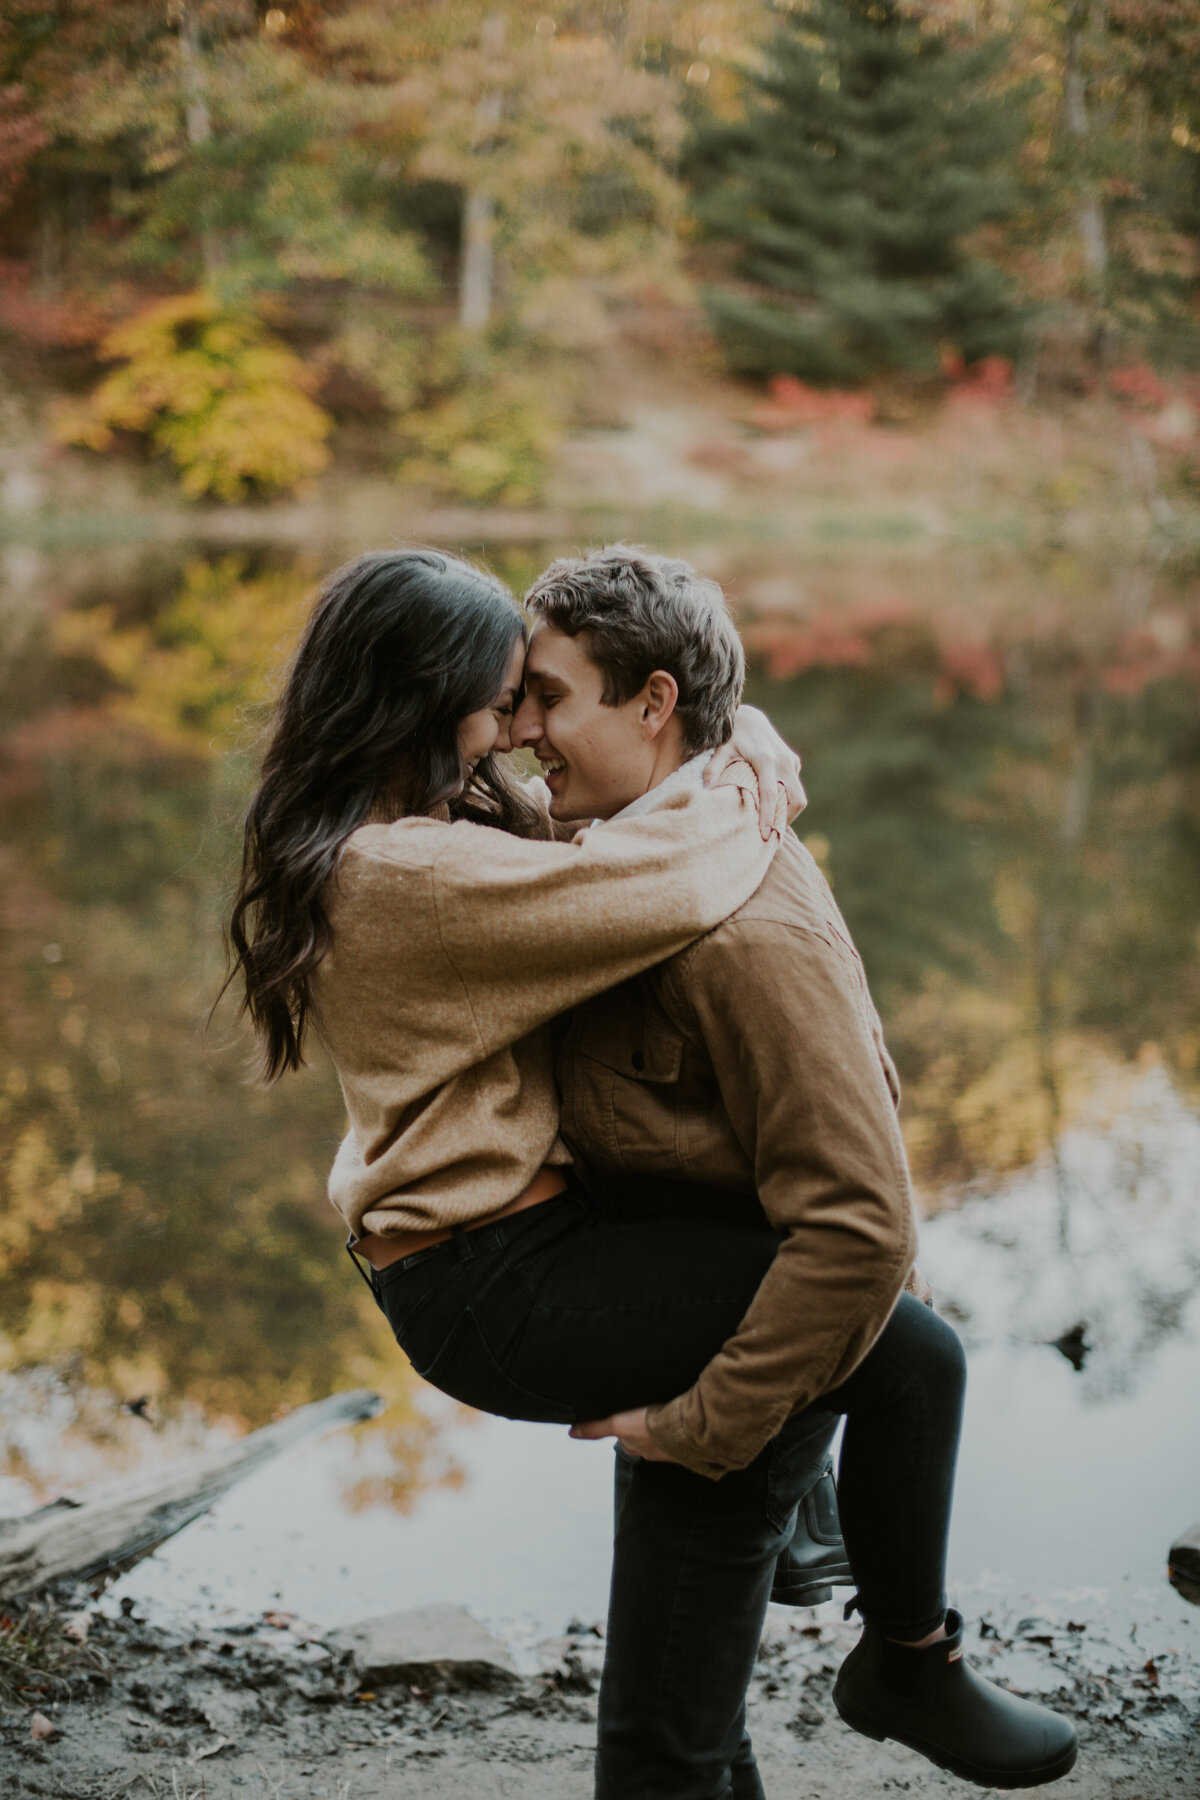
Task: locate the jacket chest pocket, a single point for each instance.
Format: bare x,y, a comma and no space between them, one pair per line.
623,1105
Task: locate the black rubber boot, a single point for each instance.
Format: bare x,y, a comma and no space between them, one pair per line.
814,1563
937,1704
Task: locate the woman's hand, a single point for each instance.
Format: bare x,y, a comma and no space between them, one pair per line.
629,1428
775,763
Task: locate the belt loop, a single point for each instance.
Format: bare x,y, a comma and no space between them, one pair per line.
462,1243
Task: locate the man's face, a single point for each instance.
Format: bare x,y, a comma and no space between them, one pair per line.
595,758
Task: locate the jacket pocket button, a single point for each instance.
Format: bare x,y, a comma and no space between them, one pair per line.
639,1061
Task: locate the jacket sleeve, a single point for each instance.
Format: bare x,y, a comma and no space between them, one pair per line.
786,1020
534,928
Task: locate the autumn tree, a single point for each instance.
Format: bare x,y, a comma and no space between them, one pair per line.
549,135
849,197
1113,254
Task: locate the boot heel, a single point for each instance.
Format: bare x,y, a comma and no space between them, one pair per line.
857,1722
784,1595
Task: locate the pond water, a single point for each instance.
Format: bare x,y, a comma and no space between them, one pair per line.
1003,759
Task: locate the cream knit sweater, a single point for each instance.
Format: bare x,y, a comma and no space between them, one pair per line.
453,947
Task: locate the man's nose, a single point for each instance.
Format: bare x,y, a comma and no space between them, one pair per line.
526,726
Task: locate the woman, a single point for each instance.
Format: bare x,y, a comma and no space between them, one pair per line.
430,951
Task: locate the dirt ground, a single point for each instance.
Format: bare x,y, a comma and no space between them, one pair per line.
235,1715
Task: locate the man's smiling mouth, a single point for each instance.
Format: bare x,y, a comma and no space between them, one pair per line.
551,764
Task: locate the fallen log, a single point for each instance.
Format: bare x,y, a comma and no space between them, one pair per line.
113,1524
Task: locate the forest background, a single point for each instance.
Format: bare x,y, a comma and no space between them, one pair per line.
884,312
429,239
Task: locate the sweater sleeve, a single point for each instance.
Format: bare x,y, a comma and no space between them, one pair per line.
532,928
790,1036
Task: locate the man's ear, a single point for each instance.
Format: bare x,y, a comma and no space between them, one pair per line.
658,700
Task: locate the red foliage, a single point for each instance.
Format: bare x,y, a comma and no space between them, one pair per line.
821,640
794,405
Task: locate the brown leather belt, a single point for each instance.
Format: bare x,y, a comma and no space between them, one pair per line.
382,1252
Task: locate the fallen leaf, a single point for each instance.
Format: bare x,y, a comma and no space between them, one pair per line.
211,1750
41,1729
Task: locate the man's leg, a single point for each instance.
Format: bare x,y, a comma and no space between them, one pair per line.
692,1569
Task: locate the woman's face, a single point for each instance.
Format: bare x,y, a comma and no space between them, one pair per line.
482,732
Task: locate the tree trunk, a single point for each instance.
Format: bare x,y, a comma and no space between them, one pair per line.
475,282
477,264
1089,211
197,122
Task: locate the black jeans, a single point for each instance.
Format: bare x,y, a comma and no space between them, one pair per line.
565,1312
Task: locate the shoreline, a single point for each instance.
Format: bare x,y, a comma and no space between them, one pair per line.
269,1710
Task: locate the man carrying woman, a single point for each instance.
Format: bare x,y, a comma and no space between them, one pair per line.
431,951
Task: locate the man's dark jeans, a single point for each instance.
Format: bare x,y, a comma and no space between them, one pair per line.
565,1313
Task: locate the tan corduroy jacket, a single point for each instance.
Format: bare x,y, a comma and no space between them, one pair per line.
755,1060
454,945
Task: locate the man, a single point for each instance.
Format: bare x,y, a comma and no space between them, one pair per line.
754,1060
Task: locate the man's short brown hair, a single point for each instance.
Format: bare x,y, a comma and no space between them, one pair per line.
643,612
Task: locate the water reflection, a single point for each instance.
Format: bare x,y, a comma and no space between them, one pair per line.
1128,1174
1014,834
1005,799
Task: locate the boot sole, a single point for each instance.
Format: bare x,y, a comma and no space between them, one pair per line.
954,1765
821,1589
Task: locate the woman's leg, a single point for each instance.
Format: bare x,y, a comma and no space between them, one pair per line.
563,1313
903,1409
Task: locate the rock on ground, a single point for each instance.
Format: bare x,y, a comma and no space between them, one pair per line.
431,1646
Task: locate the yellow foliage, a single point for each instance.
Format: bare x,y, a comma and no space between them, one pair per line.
190,678
228,401
488,440
38,1193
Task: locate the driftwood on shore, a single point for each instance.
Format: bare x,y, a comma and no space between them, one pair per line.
113,1523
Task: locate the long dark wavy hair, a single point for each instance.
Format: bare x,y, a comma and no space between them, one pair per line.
401,645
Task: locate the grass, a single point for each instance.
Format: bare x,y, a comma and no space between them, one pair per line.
37,1661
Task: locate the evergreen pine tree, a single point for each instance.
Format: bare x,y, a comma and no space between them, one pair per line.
869,153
